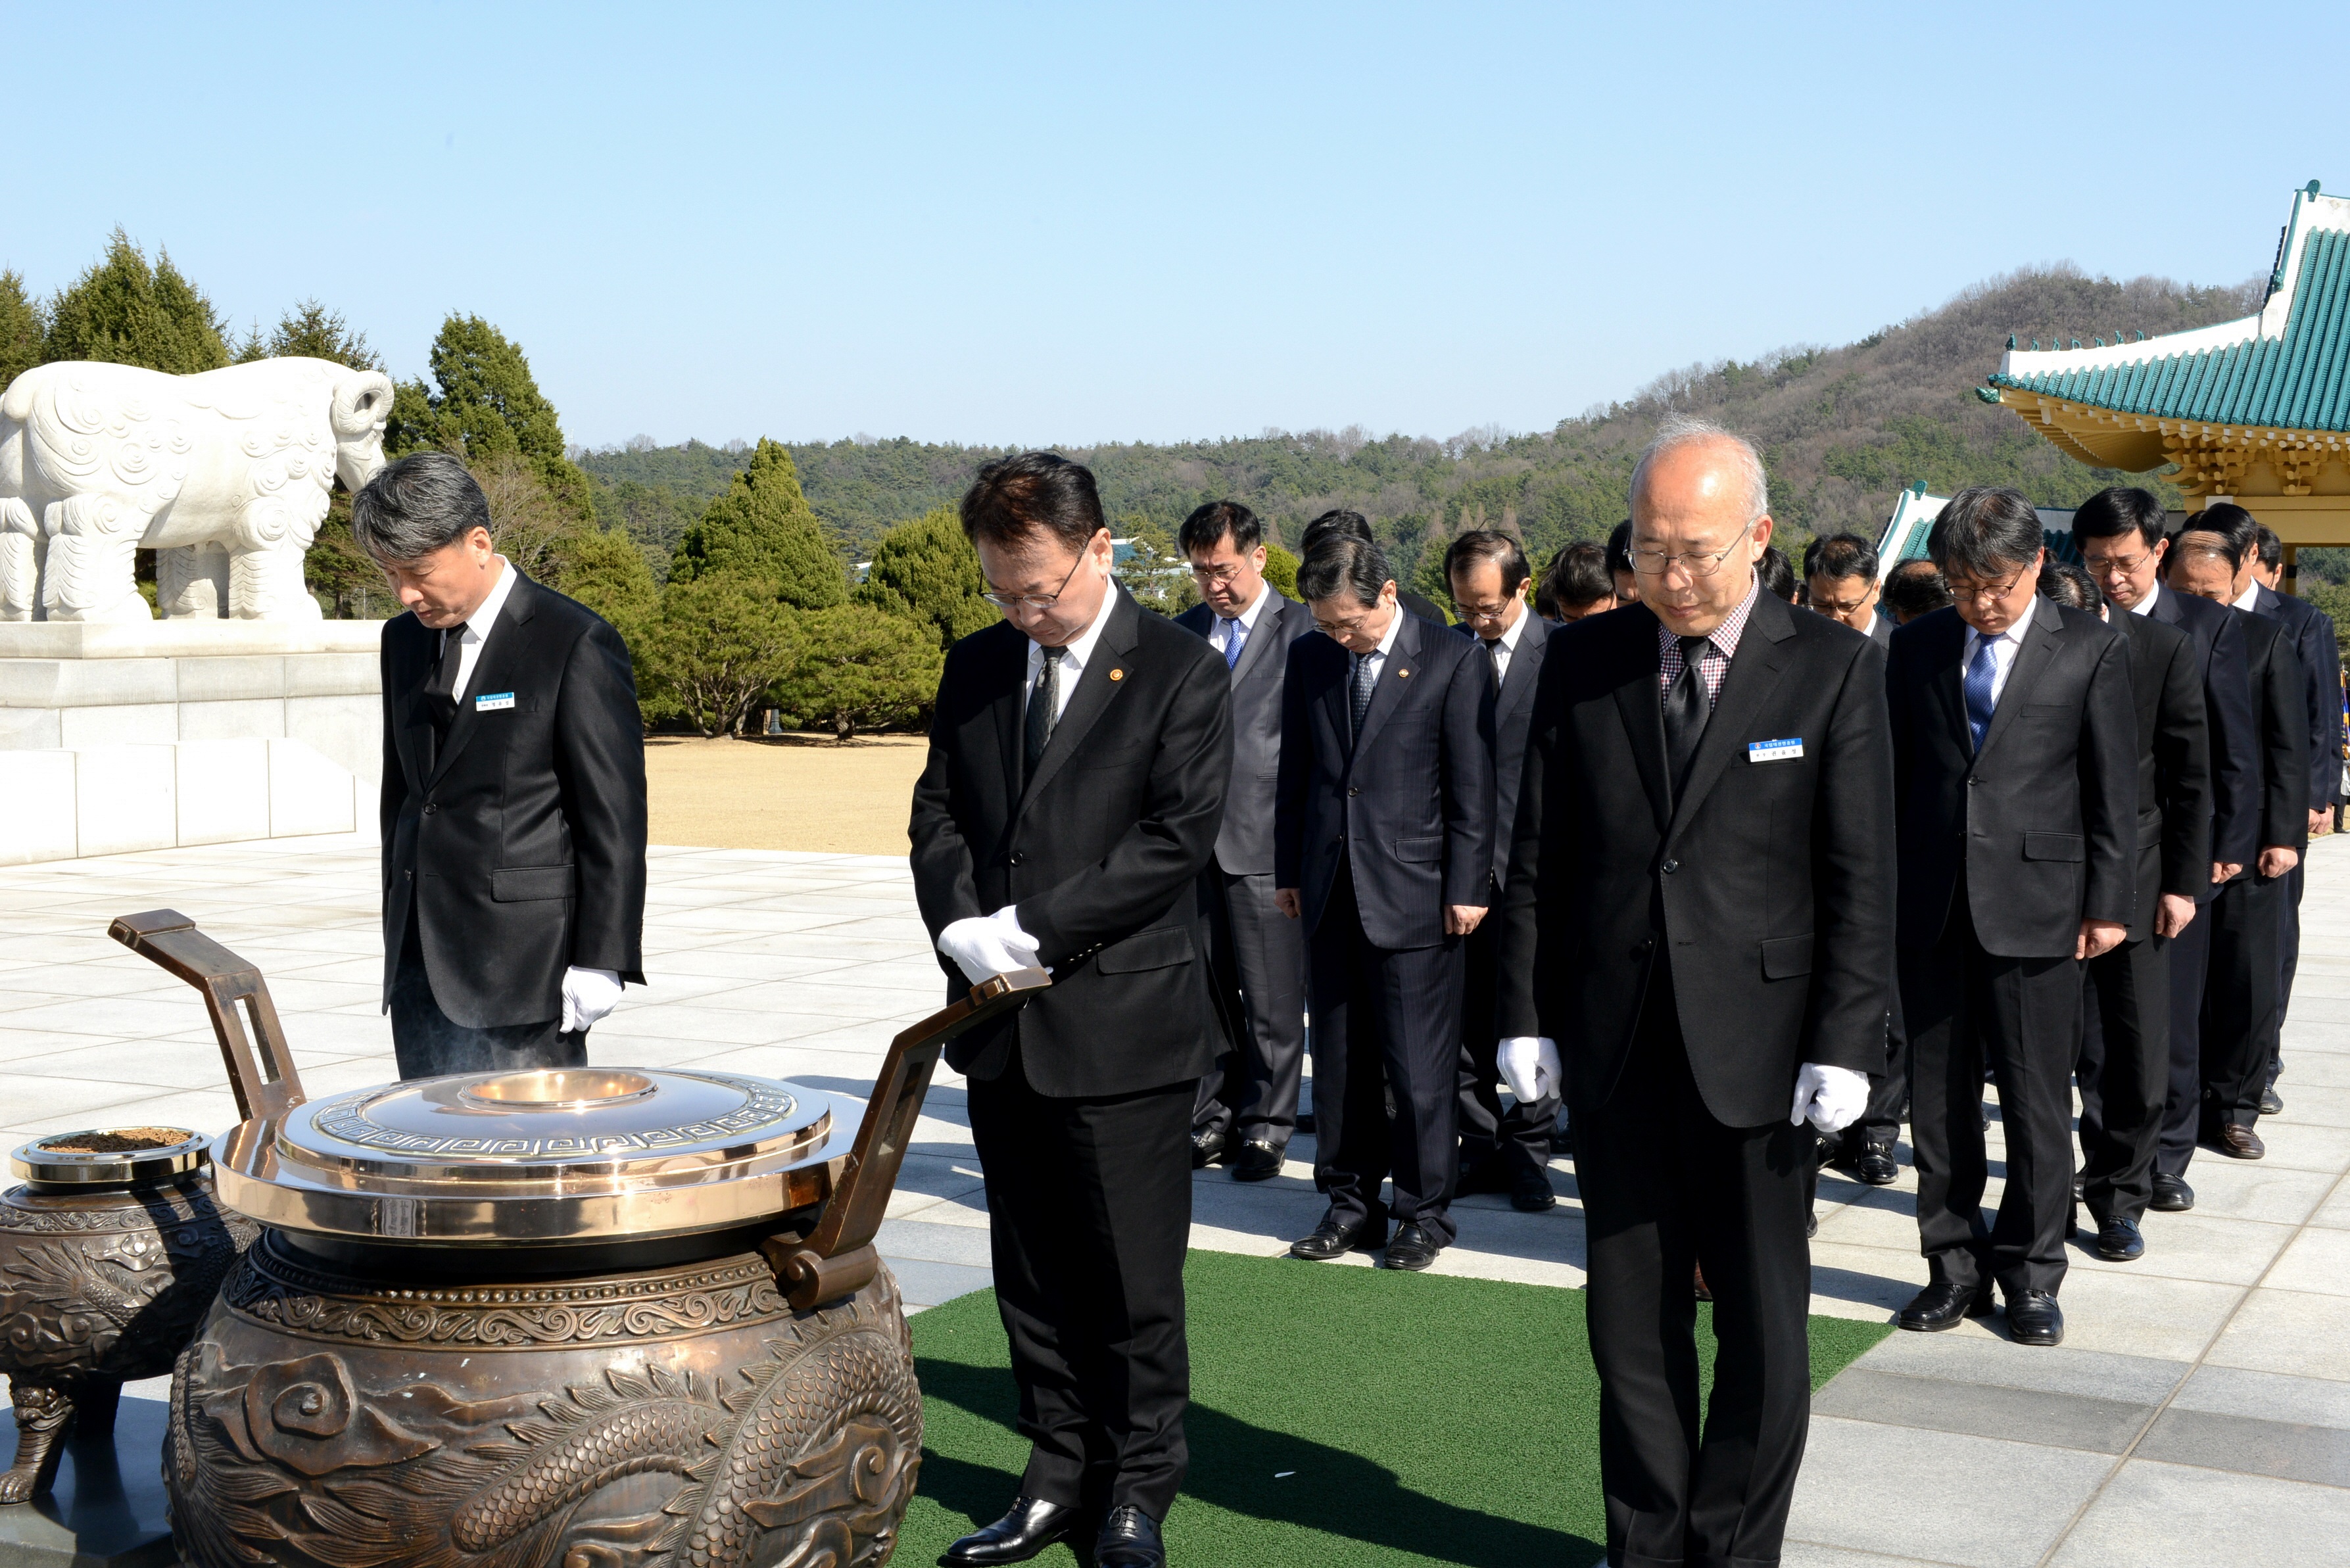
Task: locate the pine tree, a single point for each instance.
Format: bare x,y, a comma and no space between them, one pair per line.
604,570
123,311
311,331
926,570
1427,578
1281,569
20,329
484,401
763,528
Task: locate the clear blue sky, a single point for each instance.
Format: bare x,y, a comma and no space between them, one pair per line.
1117,222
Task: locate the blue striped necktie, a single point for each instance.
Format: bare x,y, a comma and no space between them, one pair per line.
1235,636
1980,705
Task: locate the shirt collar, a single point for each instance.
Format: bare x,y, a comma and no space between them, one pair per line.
2154,596
1870,629
1724,637
2251,598
1387,643
1079,649
1247,617
2015,633
1509,640
486,616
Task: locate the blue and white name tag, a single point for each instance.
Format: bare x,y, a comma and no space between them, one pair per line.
1774,751
489,702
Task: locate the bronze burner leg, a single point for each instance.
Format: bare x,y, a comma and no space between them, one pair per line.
43,1411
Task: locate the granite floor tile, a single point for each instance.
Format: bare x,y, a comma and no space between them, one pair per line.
2318,1260
2063,1369
2266,1395
2334,1212
2316,1105
1803,1555
2252,1444
2293,1332
2096,1425
926,1284
2250,1189
2295,1145
2163,1513
2196,1245
935,1243
2142,1314
1990,1503
1881,1278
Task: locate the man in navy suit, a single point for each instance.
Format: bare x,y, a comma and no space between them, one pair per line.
1383,845
1501,1150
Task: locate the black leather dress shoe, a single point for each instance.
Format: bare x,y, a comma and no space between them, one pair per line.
1875,1164
1207,1147
2118,1240
2034,1318
2080,1187
1031,1526
1256,1160
1942,1305
1331,1240
2171,1194
1530,1191
1412,1248
2270,1105
1811,1223
1129,1538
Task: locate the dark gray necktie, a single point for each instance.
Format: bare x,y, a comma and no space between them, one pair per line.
1494,652
438,701
1366,677
1043,704
1686,711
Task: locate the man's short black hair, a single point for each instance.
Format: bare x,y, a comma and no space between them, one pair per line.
1485,544
1778,576
1576,576
1341,563
1619,547
1986,531
1915,587
2272,547
1341,522
2119,510
2229,529
1208,524
2069,586
1016,499
1837,556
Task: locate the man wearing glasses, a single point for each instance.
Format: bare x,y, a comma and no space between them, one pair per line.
2015,808
1247,1108
1501,1150
1840,570
1079,760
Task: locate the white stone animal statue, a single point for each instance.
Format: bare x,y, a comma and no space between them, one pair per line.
226,475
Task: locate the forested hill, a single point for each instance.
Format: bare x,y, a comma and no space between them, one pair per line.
1842,429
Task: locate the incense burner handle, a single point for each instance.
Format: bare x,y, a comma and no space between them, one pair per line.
260,1065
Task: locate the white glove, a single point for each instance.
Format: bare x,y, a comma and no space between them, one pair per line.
587,995
984,946
1833,1097
1529,1065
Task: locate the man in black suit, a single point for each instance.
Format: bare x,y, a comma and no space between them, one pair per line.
1383,843
2015,756
513,792
1079,755
1840,570
2123,1069
1247,1106
1913,588
2120,534
1355,525
2241,998
1698,919
1501,1150
2315,645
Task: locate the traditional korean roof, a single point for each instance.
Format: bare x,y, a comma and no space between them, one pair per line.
1914,512
2283,369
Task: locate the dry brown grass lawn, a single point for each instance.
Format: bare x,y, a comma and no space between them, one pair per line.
792,792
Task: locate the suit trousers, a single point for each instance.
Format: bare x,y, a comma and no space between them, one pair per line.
1251,1095
427,1043
2182,1111
1888,1092
1089,1209
2240,1004
1666,1186
2124,1073
1386,1028
1493,1141
2289,961
1967,1009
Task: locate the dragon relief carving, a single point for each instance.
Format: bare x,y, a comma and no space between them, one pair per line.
805,1458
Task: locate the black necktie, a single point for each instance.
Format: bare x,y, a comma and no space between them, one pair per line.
1367,677
438,702
1686,711
1043,704
1494,652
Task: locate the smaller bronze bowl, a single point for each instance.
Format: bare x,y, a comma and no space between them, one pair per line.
111,1252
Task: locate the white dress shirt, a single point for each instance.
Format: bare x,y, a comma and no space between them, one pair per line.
1080,652
2153,598
2252,597
1220,630
1870,629
1378,658
1506,645
2003,649
476,630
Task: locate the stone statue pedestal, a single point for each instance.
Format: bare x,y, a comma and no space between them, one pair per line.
106,1508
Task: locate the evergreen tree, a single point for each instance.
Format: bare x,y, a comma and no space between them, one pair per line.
926,570
713,650
484,401
604,570
123,311
20,329
762,527
1427,578
310,331
1281,569
861,669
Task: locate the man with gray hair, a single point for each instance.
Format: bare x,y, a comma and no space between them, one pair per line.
1696,938
513,792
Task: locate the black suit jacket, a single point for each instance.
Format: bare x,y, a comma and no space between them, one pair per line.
1245,844
1513,710
2174,766
1880,630
2314,645
2228,708
2281,714
1770,883
1409,804
524,848
2045,819
1098,849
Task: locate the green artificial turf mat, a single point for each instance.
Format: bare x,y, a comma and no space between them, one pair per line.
1428,1420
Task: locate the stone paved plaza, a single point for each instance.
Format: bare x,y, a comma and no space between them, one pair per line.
2199,1408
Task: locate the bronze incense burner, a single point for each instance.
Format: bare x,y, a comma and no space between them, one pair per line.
593,1317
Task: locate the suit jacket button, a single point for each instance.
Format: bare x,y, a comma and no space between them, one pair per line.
430,808
1354,789
1671,866
1018,856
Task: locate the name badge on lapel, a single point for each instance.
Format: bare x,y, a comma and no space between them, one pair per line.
491,701
1774,751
